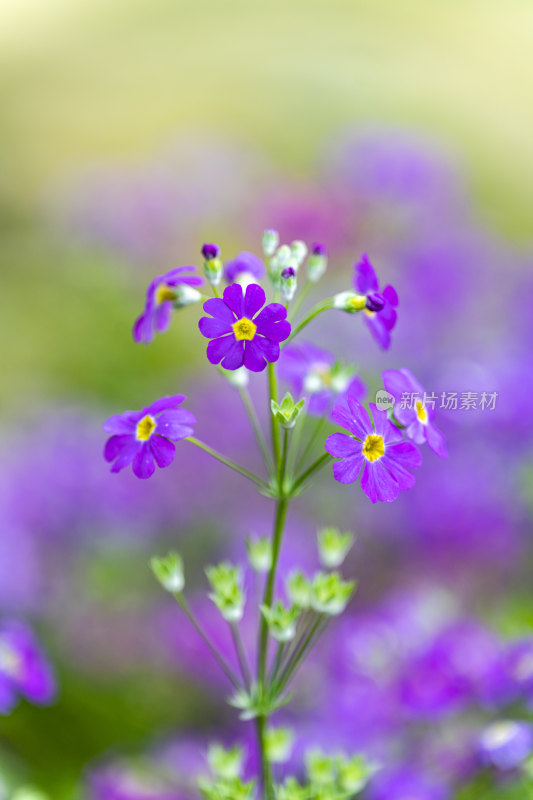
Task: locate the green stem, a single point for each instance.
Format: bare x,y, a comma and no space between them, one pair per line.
299,300
273,395
319,426
219,658
256,427
231,464
324,305
324,459
299,655
266,769
241,655
277,662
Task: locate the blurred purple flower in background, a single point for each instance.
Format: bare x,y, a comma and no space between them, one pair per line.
161,295
413,410
24,669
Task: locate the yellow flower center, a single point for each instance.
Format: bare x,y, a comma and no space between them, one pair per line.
358,302
374,447
145,427
164,293
421,412
244,329
9,660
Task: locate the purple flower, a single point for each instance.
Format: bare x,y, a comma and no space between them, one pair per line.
315,373
240,335
244,269
160,297
143,437
411,410
380,311
407,783
23,668
505,744
377,449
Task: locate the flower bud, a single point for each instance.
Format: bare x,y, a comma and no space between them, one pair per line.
298,253
318,263
375,301
278,744
330,594
321,769
270,242
169,572
225,763
287,283
287,413
280,260
238,378
210,251
349,301
186,296
259,553
355,773
281,621
227,595
333,546
299,590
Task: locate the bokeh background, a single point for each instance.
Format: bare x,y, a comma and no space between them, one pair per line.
132,131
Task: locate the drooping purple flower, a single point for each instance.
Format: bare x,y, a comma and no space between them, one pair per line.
24,668
143,438
161,294
377,449
241,330
414,409
246,268
316,374
506,744
380,310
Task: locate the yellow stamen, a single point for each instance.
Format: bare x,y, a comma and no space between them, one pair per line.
244,329
358,302
421,412
369,313
164,293
374,447
145,427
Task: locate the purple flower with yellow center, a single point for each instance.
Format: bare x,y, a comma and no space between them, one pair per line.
375,448
144,438
378,306
163,292
412,409
241,330
316,374
24,668
245,269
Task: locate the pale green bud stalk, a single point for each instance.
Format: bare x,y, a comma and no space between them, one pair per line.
287,412
169,572
259,553
227,595
330,594
281,621
333,547
270,242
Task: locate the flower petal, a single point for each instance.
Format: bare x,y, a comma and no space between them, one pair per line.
254,299
390,294
218,348
169,401
347,470
217,308
143,464
258,352
343,417
175,424
115,445
212,327
405,453
378,483
378,330
120,424
341,445
383,426
365,278
127,453
234,357
359,414
436,441
163,450
234,300
143,329
272,323
162,316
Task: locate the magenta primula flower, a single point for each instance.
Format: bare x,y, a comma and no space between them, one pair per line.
161,295
377,449
143,438
414,409
242,331
380,305
24,669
